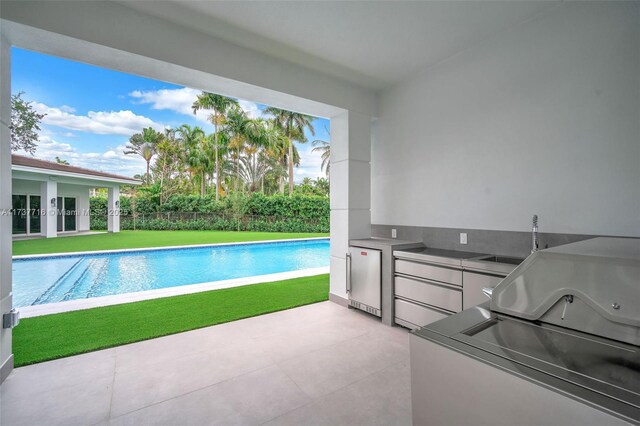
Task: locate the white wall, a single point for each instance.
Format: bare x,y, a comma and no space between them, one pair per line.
81,194
350,191
542,119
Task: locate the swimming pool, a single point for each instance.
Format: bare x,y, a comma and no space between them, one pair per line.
50,279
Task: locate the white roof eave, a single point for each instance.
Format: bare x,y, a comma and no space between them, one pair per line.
81,176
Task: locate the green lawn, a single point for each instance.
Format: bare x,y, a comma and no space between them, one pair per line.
141,239
60,335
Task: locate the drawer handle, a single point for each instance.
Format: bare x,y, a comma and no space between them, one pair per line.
348,259
431,282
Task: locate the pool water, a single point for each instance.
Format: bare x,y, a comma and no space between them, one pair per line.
50,279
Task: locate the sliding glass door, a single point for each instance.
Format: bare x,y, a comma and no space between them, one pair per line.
69,214
34,214
26,214
19,214
66,214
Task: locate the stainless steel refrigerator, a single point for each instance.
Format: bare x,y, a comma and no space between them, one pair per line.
363,279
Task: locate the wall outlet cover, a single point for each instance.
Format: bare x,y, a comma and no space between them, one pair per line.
394,233
463,238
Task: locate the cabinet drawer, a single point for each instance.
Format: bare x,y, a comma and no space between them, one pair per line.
416,315
428,293
430,272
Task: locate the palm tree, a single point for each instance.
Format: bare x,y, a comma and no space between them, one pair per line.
324,148
144,144
196,152
253,169
277,149
293,125
243,132
220,105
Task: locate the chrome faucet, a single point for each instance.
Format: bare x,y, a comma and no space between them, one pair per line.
534,234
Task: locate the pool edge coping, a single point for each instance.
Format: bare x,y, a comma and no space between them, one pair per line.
139,296
142,249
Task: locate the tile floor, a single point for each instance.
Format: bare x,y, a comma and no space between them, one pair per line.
320,364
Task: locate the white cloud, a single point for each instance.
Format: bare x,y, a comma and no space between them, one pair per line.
310,163
67,108
124,122
181,101
251,108
177,100
111,161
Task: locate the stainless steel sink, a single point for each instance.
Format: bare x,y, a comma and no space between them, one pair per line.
502,259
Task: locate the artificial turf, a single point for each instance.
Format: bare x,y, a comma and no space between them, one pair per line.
55,336
142,239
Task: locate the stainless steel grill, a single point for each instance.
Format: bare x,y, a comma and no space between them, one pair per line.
592,286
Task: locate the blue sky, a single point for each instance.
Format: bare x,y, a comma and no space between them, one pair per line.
91,112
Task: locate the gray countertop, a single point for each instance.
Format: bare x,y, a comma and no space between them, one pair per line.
384,242
460,259
428,254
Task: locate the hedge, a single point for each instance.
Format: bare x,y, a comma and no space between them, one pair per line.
256,212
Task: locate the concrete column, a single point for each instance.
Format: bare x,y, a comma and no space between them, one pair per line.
113,209
82,204
6,355
350,191
49,222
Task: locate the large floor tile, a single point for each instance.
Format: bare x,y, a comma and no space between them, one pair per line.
86,403
249,399
55,376
152,383
383,398
326,370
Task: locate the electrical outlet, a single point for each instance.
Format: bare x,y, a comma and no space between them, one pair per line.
394,233
463,238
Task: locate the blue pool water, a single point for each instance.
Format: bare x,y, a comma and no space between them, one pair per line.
58,278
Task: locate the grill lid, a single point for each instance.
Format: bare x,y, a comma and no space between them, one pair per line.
592,286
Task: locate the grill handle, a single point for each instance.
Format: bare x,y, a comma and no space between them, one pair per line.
488,291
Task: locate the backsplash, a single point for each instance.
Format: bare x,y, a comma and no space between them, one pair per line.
504,243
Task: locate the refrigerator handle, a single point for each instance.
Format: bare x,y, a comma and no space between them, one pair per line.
348,258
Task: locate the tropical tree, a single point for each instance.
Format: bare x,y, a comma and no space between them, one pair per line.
322,186
24,125
253,168
293,125
145,145
220,105
168,169
243,132
196,151
277,148
324,148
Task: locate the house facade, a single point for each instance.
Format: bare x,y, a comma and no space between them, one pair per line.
49,199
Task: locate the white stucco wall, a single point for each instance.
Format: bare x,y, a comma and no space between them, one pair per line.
81,194
542,119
